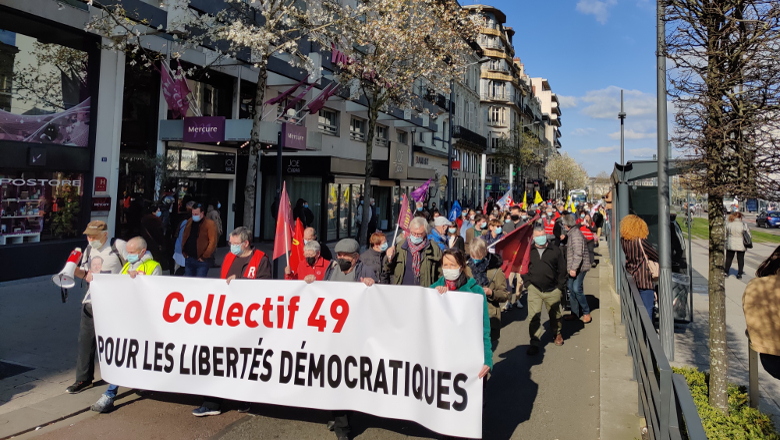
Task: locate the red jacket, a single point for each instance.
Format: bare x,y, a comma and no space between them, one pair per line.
320,266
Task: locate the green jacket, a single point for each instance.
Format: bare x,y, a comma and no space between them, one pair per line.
430,266
473,287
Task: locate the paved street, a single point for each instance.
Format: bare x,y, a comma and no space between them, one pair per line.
554,395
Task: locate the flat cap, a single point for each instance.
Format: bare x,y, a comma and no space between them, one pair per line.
441,221
347,246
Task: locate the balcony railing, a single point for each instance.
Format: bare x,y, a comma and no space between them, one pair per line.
504,96
460,132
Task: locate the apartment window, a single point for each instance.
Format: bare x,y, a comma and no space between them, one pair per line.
357,129
402,137
297,106
381,135
422,137
329,122
497,115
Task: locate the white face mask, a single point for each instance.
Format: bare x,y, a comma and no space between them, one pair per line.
451,274
96,244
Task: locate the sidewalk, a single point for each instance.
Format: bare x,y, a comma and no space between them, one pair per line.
692,341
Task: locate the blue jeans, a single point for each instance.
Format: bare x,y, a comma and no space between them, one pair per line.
111,391
579,304
648,299
195,268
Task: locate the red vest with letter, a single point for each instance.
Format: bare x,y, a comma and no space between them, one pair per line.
586,232
251,269
549,224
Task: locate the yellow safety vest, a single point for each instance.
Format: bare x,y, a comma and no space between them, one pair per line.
147,267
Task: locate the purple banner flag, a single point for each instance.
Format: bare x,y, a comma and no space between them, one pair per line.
418,195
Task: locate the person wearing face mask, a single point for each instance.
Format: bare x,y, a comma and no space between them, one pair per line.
496,233
178,255
486,271
578,264
243,262
152,232
302,211
139,262
415,261
480,227
420,211
199,243
101,256
454,240
548,221
310,234
439,232
515,220
589,230
468,222
375,256
212,213
312,268
455,278
546,278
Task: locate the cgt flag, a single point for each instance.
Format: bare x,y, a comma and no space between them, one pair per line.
418,195
515,248
538,199
405,216
455,211
296,254
284,224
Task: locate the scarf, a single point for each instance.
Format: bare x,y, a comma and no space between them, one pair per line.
479,271
453,286
416,250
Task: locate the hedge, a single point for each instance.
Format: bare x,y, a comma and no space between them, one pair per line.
742,423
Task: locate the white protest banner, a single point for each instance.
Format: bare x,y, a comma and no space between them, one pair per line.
392,351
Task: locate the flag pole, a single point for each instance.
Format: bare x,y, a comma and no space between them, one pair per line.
396,232
286,251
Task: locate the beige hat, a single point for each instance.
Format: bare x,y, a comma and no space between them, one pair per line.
96,227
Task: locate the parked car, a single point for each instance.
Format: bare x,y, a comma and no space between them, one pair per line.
768,219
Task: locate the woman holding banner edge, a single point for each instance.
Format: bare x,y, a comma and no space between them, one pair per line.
456,278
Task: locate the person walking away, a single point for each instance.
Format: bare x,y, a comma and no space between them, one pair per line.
455,278
735,243
302,211
486,271
589,230
546,278
212,213
578,265
312,268
638,250
101,256
454,240
439,232
375,256
415,261
372,222
243,262
152,233
178,255
199,243
139,262
761,305
310,234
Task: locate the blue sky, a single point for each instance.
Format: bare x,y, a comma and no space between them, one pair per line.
589,50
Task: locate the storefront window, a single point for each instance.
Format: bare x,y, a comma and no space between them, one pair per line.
44,92
344,216
39,205
333,190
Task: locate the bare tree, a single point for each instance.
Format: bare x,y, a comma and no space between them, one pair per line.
726,87
564,168
518,150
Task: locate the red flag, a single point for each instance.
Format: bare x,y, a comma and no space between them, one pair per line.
405,216
284,225
296,254
515,248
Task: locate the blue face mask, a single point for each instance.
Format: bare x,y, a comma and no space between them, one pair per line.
582,216
540,240
133,258
219,205
507,220
235,249
452,230
499,230
196,218
483,225
419,208
477,261
383,247
158,213
305,205
416,240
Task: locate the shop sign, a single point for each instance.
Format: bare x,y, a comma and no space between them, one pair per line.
204,129
38,182
101,204
293,136
455,164
101,184
398,159
294,166
420,160
230,165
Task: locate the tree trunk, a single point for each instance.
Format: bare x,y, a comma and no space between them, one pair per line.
373,114
254,150
719,366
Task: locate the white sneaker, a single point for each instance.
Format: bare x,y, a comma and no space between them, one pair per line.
104,404
507,307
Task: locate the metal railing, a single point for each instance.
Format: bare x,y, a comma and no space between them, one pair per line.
665,400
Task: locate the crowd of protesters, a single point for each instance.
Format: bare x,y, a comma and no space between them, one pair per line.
435,252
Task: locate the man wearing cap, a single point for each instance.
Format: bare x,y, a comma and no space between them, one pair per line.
139,262
199,241
347,267
101,256
415,261
438,233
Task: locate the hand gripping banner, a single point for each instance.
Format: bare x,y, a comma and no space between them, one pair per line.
392,351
